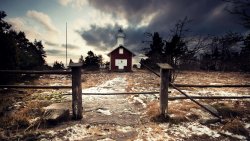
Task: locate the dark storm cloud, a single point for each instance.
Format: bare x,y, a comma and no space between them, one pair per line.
208,17
133,10
101,37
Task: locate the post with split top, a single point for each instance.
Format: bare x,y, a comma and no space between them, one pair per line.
76,90
165,72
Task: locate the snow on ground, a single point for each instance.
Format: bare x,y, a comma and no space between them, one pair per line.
185,130
117,84
206,92
117,113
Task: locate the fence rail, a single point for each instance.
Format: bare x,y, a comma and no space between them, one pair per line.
171,97
69,87
209,97
209,86
36,72
35,87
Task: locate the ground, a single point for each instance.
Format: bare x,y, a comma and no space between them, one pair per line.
127,117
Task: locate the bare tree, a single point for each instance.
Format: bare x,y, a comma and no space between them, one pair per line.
242,9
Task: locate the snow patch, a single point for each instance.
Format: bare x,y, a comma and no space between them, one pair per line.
117,84
137,99
106,139
104,111
189,129
234,135
124,129
247,125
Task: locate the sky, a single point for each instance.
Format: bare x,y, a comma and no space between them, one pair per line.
93,24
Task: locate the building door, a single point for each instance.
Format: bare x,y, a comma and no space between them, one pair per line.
120,63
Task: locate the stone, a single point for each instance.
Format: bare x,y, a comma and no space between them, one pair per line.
55,113
209,121
211,108
54,116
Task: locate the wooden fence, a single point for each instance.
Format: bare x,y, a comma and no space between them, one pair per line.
165,75
164,85
76,85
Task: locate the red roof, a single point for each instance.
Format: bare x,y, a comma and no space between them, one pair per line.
124,48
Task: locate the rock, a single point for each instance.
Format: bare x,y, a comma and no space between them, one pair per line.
56,113
211,108
209,121
54,116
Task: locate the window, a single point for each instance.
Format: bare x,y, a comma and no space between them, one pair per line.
121,51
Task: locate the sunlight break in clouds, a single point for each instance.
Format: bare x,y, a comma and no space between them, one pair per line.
20,24
73,3
64,2
42,19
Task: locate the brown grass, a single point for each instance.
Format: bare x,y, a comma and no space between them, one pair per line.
237,127
233,109
153,109
181,107
178,111
21,118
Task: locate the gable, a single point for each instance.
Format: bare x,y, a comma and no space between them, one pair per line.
121,50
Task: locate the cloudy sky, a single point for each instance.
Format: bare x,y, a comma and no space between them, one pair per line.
92,24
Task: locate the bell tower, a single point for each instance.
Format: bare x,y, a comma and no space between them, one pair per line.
120,37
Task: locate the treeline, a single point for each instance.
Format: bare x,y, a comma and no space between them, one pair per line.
229,52
17,52
90,62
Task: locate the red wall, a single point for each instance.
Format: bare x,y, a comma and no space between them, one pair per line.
126,55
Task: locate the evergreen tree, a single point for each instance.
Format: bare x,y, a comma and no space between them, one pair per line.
92,61
58,65
16,51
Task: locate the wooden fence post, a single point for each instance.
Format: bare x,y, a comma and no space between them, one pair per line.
76,90
165,72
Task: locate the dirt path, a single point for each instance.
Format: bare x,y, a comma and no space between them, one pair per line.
120,117
104,117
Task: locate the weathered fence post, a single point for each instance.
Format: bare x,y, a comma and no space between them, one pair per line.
165,72
76,90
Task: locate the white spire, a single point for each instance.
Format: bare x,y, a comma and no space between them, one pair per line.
120,37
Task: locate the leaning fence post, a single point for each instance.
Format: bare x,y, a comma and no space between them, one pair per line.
165,72
76,90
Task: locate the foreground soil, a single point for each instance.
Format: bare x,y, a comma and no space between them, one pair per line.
127,117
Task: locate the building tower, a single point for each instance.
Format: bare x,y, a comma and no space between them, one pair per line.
120,37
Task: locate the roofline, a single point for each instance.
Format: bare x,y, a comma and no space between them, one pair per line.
123,47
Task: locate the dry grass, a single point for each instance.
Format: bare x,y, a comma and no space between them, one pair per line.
181,107
21,118
196,77
236,126
233,109
153,109
179,112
